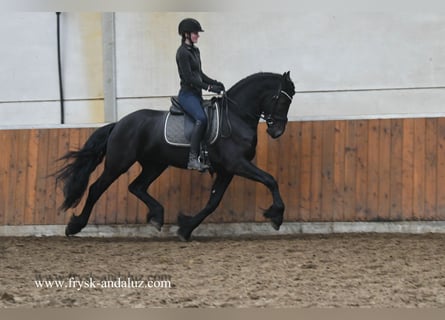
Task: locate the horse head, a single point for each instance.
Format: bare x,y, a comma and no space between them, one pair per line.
275,112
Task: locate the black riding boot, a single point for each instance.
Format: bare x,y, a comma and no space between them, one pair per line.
194,163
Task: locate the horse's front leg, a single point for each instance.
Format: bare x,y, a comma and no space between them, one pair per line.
276,211
187,223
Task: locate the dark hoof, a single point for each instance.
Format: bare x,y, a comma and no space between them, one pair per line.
183,236
275,225
74,226
155,224
185,227
156,219
275,216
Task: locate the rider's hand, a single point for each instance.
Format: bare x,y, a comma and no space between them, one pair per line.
216,88
221,85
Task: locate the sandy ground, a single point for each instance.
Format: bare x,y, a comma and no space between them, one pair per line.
369,270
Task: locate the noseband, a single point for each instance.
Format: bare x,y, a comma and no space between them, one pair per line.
270,118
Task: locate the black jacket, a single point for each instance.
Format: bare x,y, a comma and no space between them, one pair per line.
192,78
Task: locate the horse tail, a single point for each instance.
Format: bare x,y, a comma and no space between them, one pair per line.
76,174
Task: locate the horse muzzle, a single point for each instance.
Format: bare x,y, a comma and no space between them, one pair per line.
276,129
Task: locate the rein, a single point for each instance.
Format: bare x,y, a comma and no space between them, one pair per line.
270,118
225,107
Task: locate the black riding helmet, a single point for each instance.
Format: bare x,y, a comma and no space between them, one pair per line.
189,25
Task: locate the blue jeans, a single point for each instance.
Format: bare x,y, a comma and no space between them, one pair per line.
192,106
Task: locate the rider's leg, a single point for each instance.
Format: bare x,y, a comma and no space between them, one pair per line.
192,105
197,133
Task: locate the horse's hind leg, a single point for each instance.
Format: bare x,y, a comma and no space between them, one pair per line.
139,188
77,223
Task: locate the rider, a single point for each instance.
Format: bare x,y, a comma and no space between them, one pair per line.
193,80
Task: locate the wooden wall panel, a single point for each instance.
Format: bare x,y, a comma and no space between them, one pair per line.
6,141
396,169
349,192
342,170
339,171
440,210
384,174
306,171
431,149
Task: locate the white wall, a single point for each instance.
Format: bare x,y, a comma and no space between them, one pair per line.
29,81
326,54
346,65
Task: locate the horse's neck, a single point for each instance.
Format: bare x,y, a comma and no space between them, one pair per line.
247,100
246,107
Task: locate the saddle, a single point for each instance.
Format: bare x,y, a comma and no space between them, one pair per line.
178,125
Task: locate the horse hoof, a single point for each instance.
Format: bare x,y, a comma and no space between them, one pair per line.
183,236
276,222
275,225
74,226
275,216
156,218
155,224
186,227
69,231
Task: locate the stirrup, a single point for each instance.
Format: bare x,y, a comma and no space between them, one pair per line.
195,164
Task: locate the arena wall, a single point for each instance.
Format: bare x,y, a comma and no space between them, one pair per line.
365,142
328,171
360,65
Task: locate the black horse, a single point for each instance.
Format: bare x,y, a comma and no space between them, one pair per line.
139,137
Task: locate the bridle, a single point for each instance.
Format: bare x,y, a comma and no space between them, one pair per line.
270,118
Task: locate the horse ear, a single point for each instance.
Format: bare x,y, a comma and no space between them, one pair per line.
286,75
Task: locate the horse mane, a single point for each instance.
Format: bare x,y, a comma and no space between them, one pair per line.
243,82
